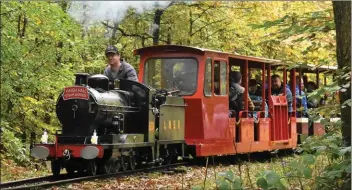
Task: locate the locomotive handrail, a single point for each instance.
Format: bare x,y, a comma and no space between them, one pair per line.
116,106
176,105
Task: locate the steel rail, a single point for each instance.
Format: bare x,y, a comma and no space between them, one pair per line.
30,183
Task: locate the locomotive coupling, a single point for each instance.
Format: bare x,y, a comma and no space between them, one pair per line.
66,154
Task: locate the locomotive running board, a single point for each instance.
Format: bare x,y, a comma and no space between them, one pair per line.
126,145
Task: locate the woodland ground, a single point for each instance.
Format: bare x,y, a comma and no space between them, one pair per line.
193,177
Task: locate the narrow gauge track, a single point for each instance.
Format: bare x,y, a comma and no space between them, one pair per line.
49,181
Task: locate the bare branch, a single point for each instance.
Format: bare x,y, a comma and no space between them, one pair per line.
204,11
143,36
201,28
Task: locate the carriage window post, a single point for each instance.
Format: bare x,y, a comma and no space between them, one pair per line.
285,79
293,87
324,80
317,78
263,86
245,78
269,85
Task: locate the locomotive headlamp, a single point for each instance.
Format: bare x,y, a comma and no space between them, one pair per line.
44,138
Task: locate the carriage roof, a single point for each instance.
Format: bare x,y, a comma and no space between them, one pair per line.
197,50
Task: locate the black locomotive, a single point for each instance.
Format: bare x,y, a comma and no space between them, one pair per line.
124,116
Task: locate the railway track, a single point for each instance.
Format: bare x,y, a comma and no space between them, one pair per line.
49,181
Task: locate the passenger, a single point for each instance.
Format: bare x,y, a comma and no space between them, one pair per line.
301,99
277,89
236,97
118,69
255,93
312,102
253,88
305,80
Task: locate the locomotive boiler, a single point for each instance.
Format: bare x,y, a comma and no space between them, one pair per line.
90,106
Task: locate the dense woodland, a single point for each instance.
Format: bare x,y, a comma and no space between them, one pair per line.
43,45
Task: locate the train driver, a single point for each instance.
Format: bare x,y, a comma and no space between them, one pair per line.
236,98
277,89
118,68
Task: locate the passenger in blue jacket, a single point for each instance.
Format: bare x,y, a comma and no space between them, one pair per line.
301,99
255,93
277,89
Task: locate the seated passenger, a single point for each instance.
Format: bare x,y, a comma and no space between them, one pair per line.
312,102
277,89
255,94
254,89
301,99
236,97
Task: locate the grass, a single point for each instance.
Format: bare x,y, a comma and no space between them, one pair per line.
248,169
242,167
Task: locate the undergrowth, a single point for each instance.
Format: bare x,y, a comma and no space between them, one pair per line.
319,163
11,171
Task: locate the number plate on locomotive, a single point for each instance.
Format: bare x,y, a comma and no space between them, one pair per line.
76,92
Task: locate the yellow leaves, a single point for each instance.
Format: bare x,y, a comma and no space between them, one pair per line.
30,99
38,21
50,32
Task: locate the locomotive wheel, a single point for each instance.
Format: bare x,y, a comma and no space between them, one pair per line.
107,167
70,170
110,166
132,161
169,159
92,167
56,167
124,163
116,166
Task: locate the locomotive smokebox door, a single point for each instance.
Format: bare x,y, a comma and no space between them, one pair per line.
172,119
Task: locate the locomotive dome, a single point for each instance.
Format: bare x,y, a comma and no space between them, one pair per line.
99,81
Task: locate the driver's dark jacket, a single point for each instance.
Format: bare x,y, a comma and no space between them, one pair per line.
126,71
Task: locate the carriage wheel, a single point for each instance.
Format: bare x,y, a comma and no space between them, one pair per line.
92,167
132,161
56,167
106,167
124,163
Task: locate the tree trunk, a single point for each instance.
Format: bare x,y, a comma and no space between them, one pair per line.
113,34
342,16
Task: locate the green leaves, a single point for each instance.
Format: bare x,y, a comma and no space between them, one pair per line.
272,178
261,182
307,172
308,159
227,180
269,180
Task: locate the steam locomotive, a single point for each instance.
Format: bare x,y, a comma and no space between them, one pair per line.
110,125
180,107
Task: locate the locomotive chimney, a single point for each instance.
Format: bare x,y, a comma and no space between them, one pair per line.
81,79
